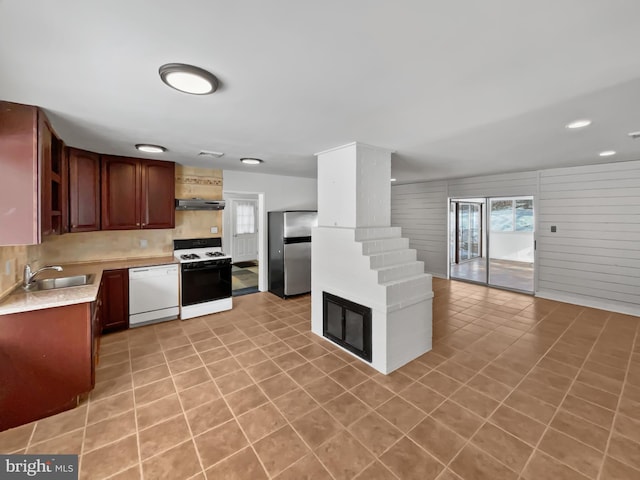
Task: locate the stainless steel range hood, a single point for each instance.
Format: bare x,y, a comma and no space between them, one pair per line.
198,204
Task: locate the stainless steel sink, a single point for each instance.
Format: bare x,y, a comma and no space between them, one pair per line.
62,282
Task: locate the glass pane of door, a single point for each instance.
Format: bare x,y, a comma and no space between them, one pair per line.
463,232
511,243
467,258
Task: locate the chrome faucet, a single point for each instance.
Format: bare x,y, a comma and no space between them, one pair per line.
29,276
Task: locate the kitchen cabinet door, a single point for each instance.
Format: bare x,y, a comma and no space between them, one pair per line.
53,179
158,194
115,300
120,193
84,191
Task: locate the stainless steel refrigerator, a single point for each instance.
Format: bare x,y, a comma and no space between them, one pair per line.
290,251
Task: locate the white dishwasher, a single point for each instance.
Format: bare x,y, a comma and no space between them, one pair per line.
153,294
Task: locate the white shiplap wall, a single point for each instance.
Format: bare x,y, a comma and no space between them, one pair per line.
421,210
505,185
594,257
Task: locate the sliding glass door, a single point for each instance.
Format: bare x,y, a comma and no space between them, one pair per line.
492,241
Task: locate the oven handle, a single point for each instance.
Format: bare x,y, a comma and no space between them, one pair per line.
209,267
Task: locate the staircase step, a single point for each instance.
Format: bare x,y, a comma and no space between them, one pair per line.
400,271
384,245
411,287
377,233
395,257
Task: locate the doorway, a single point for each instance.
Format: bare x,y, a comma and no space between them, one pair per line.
242,230
492,241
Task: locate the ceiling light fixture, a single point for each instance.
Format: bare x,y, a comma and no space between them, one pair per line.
634,135
251,161
393,179
148,148
607,153
578,124
207,153
188,79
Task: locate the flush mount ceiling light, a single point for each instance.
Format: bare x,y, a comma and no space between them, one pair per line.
148,148
578,124
393,179
251,161
188,79
607,153
634,135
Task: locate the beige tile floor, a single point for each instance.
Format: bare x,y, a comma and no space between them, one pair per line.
515,387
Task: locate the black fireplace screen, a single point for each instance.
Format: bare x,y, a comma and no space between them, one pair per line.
348,324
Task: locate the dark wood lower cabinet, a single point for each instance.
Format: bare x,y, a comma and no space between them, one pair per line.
46,362
48,357
115,300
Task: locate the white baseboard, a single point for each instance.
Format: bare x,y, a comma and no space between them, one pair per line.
591,302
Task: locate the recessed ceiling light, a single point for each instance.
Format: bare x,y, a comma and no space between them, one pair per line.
393,179
251,161
578,124
607,153
188,79
147,148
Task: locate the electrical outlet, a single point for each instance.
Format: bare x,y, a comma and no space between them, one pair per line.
214,229
144,243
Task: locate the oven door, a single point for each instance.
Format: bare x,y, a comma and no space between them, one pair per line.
205,282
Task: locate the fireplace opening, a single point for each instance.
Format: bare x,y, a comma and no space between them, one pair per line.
348,324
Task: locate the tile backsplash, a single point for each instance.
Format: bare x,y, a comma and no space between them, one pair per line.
106,245
12,262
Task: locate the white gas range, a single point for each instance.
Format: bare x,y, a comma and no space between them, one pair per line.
205,277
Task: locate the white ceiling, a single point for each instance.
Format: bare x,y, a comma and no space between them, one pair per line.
456,88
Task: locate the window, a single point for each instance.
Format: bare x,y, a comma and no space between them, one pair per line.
245,218
524,215
513,215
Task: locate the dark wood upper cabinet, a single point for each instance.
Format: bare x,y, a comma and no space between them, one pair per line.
115,300
137,193
33,178
84,190
158,194
120,193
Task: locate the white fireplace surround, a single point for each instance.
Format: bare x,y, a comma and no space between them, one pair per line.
358,256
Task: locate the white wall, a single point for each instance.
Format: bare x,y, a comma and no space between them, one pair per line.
276,192
281,192
594,257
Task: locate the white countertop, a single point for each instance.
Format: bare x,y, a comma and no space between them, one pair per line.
20,301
